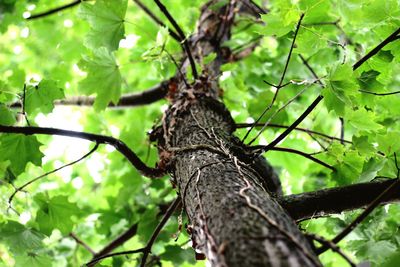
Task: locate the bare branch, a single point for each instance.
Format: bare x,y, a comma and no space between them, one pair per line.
245,125
279,86
18,189
96,260
393,37
55,10
159,227
80,242
378,200
379,94
336,200
100,139
181,35
147,249
332,246
294,125
128,234
298,152
149,96
157,20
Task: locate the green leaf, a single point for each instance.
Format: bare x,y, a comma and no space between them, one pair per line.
393,260
178,255
371,168
106,19
19,150
20,238
363,120
103,77
6,116
33,259
274,26
55,213
42,96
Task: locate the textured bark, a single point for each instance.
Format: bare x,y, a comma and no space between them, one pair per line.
234,221
234,217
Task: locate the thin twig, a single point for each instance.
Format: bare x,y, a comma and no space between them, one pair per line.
393,37
23,106
121,239
294,125
275,113
80,242
388,191
18,189
305,62
55,10
156,232
181,35
379,94
157,20
94,261
332,246
100,139
279,86
298,152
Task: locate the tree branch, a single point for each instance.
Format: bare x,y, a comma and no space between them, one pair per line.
378,200
149,96
182,36
157,20
147,249
117,242
298,152
100,139
55,10
336,200
21,188
393,37
80,242
294,125
379,94
245,125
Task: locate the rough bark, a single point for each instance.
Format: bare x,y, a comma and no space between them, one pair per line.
234,217
234,220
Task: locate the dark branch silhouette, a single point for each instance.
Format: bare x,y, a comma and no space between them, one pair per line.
21,188
245,125
146,249
279,86
149,96
80,242
294,125
393,37
379,94
183,39
55,10
128,234
298,152
100,139
332,246
378,200
336,200
157,20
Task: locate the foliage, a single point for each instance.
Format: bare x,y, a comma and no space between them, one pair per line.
108,48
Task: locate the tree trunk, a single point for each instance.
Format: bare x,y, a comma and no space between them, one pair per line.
234,221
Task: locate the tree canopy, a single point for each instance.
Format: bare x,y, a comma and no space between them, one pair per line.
104,72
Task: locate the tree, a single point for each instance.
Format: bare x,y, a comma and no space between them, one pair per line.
230,81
